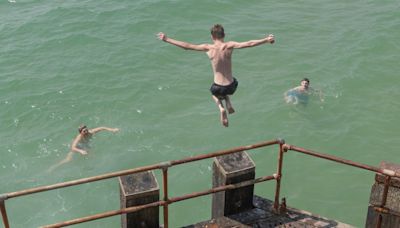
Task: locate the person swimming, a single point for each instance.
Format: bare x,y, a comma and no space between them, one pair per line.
81,142
301,94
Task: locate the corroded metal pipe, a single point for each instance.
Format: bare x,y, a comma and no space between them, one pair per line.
105,215
165,188
385,172
4,214
385,210
222,188
279,175
224,152
160,203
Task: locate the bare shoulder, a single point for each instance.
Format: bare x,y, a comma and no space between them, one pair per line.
231,44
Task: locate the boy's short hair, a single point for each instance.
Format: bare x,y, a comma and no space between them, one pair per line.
305,79
81,128
217,31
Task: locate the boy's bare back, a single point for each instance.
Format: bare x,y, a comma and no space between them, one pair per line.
221,61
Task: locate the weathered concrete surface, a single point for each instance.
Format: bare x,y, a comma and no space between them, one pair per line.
262,216
138,189
232,169
392,201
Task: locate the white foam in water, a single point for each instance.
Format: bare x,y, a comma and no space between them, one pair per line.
12,1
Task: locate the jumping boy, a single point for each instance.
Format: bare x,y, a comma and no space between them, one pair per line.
220,55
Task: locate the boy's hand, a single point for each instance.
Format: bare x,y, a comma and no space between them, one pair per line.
114,129
162,36
271,38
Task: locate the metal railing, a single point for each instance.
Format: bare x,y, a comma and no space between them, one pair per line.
166,200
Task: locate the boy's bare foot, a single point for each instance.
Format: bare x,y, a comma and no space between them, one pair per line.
231,110
224,118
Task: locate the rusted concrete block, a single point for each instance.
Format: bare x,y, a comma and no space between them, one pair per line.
392,201
232,169
139,189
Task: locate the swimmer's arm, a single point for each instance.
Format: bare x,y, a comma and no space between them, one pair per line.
182,44
95,130
251,43
75,148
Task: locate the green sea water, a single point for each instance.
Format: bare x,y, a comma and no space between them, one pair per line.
64,63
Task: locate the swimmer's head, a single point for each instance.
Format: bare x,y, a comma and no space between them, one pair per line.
83,129
305,82
217,32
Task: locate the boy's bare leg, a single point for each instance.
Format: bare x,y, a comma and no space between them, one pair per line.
68,158
229,105
223,116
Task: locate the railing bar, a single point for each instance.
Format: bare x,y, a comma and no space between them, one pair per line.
136,170
105,215
278,179
384,210
165,189
159,203
220,189
82,181
224,152
337,159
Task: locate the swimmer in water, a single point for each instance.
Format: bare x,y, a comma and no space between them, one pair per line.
81,141
220,55
300,94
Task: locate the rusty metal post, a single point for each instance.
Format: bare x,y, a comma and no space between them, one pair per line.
3,211
278,176
165,190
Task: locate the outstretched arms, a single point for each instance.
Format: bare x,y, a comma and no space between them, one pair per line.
182,44
252,43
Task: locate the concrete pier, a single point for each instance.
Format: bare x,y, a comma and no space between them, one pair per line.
391,219
138,189
262,216
232,169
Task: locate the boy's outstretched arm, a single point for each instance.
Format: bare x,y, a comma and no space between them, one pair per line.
252,43
182,44
97,129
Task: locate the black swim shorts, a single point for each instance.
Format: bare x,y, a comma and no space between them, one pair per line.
221,91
